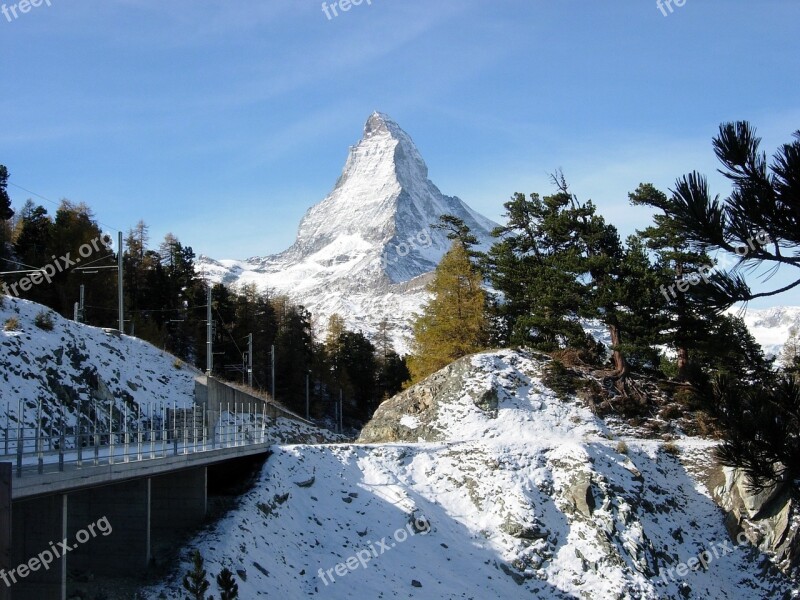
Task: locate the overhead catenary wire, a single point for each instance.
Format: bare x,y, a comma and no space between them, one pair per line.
58,204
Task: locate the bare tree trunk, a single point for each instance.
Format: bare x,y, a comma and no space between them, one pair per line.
621,367
683,364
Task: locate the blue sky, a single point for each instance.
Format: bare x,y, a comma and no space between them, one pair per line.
223,122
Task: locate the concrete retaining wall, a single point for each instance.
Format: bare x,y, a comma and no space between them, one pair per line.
219,395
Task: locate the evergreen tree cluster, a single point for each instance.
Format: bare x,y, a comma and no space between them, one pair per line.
556,262
196,584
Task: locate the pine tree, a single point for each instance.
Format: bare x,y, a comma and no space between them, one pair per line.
293,357
730,350
636,306
534,266
194,581
393,374
5,201
758,224
357,360
5,216
762,430
229,589
458,231
34,246
558,261
453,323
688,322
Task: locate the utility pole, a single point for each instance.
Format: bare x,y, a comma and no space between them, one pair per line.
308,377
209,335
81,312
250,360
272,355
120,301
78,313
341,410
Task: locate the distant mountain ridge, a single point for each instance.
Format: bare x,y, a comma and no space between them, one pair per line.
364,251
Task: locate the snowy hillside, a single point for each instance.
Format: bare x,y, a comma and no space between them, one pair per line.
361,252
499,490
76,363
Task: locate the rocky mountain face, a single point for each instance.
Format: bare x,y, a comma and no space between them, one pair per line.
481,481
364,251
769,519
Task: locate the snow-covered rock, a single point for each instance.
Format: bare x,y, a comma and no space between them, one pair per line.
492,487
364,251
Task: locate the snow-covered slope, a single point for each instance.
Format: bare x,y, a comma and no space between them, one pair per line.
518,495
76,364
361,252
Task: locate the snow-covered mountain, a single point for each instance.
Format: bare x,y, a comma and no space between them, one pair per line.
490,486
771,326
364,251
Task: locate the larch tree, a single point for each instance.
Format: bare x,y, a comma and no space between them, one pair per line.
453,323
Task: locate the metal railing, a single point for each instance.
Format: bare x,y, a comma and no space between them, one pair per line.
98,439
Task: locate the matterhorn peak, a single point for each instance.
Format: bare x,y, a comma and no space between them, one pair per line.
379,121
361,251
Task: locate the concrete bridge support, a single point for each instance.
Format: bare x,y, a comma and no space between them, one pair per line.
124,551
5,524
38,525
110,529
